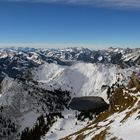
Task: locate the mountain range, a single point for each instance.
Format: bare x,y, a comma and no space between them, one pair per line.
38,85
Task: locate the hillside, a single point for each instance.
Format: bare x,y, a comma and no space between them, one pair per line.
120,121
37,86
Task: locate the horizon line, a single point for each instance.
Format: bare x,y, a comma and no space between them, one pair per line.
62,45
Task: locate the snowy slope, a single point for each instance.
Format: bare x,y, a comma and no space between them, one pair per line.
23,102
32,83
82,79
120,121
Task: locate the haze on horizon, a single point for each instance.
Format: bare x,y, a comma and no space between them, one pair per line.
70,23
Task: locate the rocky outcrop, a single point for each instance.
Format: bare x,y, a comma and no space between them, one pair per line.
88,104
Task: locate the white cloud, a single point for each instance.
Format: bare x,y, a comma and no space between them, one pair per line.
100,3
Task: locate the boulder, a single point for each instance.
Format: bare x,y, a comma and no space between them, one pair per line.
92,104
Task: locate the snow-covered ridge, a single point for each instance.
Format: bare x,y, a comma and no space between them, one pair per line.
14,61
36,82
83,79
121,120
25,96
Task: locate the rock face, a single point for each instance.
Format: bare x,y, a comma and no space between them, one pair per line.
89,104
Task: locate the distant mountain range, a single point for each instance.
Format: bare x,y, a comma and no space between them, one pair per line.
13,61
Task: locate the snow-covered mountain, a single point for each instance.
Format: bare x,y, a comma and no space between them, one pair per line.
120,121
37,85
14,61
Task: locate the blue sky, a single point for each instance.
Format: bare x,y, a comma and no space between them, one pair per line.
69,24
